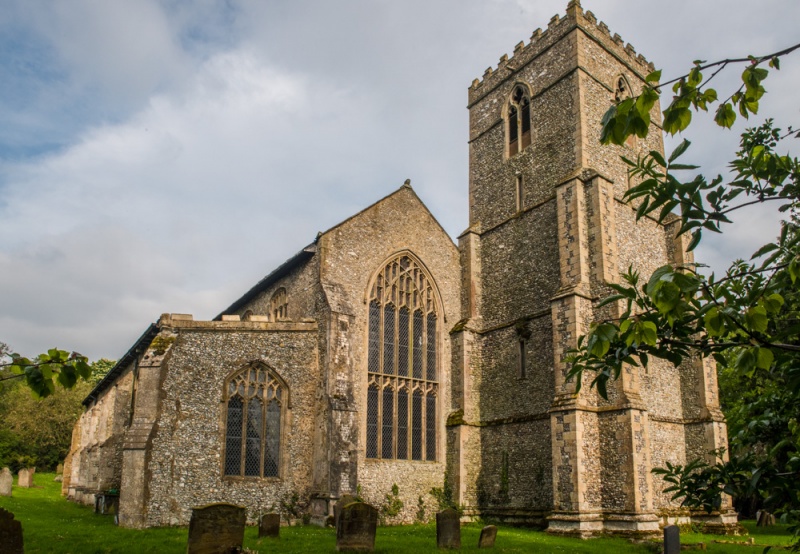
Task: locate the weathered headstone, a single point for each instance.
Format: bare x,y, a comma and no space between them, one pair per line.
448,529
355,530
269,526
488,535
765,519
25,477
672,539
10,533
337,508
6,481
60,469
216,529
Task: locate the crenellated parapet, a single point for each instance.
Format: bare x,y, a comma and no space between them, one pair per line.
541,40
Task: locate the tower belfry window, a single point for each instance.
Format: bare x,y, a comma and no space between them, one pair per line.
622,90
519,120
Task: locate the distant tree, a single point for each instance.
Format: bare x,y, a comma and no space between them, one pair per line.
748,320
38,431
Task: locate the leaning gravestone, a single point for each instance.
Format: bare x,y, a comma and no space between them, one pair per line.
448,529
25,479
216,529
10,533
6,480
355,529
488,535
269,526
341,503
672,539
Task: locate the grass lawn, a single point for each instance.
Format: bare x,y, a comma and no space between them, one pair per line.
53,525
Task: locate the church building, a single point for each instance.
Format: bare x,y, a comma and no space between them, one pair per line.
383,353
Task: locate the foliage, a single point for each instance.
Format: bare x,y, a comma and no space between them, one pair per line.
747,320
292,508
391,506
420,516
100,368
42,372
38,431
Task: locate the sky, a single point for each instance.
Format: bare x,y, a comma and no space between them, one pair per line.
163,156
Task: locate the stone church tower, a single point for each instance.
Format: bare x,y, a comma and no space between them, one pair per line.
547,234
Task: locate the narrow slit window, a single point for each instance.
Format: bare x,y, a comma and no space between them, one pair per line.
518,193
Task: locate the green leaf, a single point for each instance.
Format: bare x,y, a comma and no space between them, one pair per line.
725,116
765,358
680,149
696,236
655,76
756,319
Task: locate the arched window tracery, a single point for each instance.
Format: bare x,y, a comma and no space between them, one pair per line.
255,404
402,363
279,305
519,120
622,89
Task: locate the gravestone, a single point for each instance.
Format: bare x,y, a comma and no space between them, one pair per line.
25,479
355,530
337,508
216,529
448,529
6,480
672,539
765,519
488,535
60,469
269,526
10,533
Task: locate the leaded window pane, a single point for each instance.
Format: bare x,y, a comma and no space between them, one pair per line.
512,125
372,422
233,437
402,424
253,434
272,450
418,346
388,422
402,343
254,427
416,426
388,339
374,363
430,427
431,369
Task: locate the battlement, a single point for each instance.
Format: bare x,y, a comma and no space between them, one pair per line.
234,323
541,40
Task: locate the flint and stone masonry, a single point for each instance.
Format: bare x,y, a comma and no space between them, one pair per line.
506,431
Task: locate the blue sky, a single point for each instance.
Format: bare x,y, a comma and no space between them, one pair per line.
164,156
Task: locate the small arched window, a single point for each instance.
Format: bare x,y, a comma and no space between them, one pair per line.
402,359
622,90
279,305
519,120
255,404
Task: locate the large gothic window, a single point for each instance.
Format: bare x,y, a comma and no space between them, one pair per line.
255,401
519,120
402,361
